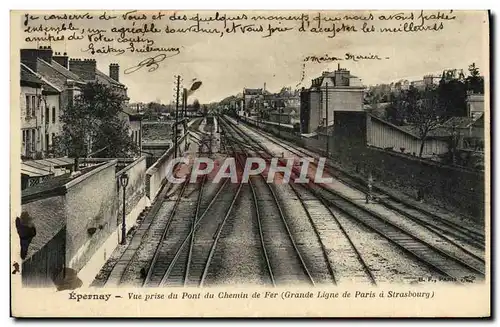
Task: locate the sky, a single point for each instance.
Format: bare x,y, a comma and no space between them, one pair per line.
227,64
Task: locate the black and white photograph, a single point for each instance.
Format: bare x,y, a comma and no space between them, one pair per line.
166,157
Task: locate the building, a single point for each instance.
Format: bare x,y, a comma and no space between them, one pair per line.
404,139
331,92
134,122
87,70
51,82
252,100
475,105
287,115
40,110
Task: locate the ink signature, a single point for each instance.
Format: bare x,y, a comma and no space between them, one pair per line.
151,63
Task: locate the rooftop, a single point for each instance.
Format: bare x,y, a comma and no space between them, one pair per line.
105,79
66,72
30,77
61,76
52,186
44,167
253,91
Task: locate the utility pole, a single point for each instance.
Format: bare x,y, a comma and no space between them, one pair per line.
176,114
279,118
327,135
184,101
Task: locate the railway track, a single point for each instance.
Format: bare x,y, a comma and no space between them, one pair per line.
429,220
187,261
318,213
442,262
172,270
161,253
283,258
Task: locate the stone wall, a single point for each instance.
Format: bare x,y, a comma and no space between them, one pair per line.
91,211
135,192
452,186
156,175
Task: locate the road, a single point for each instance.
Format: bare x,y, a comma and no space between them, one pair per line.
223,232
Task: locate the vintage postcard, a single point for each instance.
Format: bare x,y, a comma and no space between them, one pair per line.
250,163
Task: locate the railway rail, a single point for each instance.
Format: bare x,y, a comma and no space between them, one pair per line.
442,262
187,262
280,259
326,211
317,214
448,231
430,220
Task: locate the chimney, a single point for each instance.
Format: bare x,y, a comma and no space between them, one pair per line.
264,86
114,72
84,68
342,77
29,56
62,60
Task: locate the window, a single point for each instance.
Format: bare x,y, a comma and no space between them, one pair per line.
27,147
33,103
28,107
52,140
33,140
53,114
47,141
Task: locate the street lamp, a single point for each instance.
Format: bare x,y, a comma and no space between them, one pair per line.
124,183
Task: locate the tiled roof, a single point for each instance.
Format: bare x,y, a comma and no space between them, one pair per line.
60,75
253,91
458,122
47,86
133,113
105,79
66,72
28,76
479,122
408,129
44,167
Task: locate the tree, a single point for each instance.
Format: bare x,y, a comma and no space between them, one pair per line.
452,97
475,82
196,105
114,139
401,105
92,122
425,114
394,112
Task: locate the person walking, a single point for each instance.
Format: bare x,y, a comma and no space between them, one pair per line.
26,231
370,188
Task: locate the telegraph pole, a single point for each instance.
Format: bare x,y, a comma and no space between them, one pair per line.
279,118
176,114
184,101
327,135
